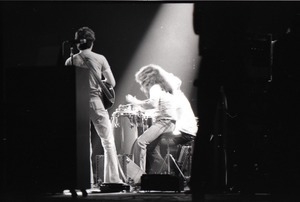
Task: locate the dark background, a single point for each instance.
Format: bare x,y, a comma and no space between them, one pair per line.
32,41
254,136
33,32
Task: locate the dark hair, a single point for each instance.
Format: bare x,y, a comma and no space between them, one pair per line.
85,33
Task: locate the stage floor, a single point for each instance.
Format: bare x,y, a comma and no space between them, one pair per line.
148,196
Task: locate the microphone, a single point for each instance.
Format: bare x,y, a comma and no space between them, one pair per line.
76,41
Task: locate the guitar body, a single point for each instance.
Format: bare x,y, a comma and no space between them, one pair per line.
108,102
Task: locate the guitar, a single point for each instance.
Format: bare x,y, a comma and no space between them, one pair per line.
109,95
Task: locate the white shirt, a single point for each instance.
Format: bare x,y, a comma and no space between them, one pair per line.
164,103
99,63
186,120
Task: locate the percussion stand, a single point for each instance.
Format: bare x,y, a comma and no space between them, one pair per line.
188,162
167,160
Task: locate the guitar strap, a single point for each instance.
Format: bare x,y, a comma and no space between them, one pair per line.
92,69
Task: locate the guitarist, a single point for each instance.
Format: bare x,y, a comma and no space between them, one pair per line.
98,65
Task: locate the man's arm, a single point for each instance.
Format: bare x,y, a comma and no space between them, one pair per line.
107,73
150,103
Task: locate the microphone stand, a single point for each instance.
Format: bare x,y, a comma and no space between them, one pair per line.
63,52
62,55
71,55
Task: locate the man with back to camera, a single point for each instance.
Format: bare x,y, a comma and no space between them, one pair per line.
98,64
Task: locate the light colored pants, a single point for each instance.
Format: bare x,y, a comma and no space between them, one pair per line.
100,118
151,134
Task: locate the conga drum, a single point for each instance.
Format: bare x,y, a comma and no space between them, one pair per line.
125,129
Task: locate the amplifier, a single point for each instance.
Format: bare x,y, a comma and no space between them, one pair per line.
161,182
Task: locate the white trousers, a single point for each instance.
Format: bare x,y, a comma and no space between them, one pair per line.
100,118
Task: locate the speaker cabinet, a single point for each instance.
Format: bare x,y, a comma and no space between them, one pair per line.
161,182
46,129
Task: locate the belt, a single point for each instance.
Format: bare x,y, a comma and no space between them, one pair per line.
171,120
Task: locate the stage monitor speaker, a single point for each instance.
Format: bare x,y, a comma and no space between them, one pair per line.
46,128
161,182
